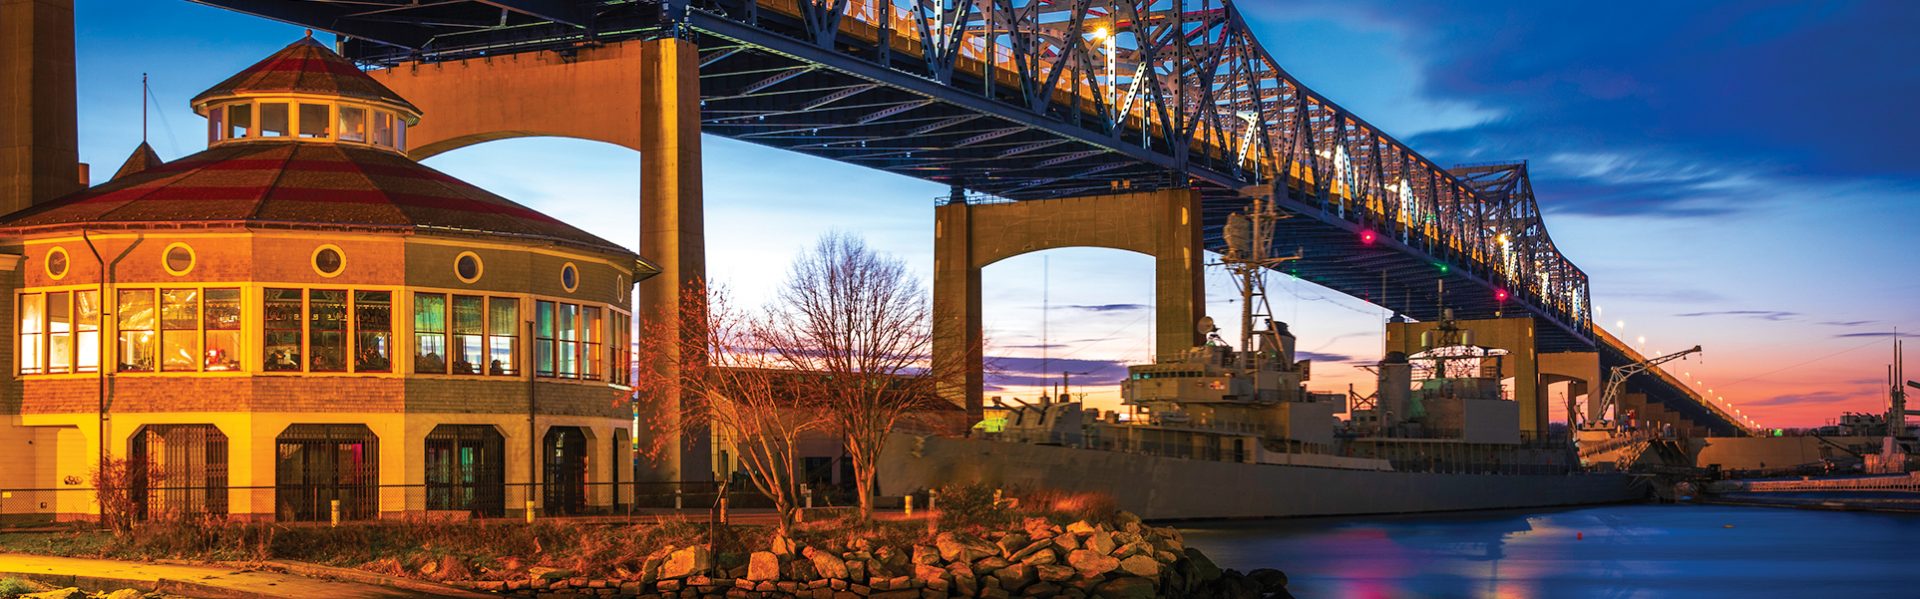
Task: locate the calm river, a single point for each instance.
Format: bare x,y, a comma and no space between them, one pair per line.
1615,551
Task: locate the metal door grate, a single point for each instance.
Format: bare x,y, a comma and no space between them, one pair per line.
319,463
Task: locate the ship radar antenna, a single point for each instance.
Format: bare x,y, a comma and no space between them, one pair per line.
1249,235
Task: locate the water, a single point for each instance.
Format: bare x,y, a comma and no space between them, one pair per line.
1625,551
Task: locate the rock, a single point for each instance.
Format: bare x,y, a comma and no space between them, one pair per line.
1141,565
1270,580
1132,549
927,574
1014,577
1029,549
687,562
1011,544
990,563
763,565
1203,569
782,546
827,565
1054,572
994,593
1091,564
545,573
1044,556
66,593
1081,528
1165,557
1066,542
955,548
926,555
1127,587
1101,542
1041,591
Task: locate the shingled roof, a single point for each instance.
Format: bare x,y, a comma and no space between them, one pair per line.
300,185
309,67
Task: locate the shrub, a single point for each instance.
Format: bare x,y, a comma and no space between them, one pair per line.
970,505
14,587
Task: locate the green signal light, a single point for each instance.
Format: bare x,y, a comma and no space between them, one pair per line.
1442,267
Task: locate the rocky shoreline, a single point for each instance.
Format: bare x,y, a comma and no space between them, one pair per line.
1038,560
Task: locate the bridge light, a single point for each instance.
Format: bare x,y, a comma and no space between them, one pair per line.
1500,295
1442,266
1367,236
1100,34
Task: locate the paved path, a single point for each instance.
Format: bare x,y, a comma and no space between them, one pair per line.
192,581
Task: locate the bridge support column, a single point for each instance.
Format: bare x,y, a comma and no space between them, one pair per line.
968,237
39,131
672,214
1522,362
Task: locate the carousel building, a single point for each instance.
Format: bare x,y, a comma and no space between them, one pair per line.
301,319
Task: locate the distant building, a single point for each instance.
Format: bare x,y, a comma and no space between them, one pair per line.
302,314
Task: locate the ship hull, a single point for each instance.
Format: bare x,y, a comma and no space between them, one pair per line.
1160,488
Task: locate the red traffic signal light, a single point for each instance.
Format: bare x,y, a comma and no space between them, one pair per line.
1500,294
1367,236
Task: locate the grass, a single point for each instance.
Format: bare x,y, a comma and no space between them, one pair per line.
14,587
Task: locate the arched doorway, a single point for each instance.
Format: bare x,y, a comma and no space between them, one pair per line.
180,470
466,469
318,464
565,483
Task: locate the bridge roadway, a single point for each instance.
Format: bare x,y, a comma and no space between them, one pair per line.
1034,99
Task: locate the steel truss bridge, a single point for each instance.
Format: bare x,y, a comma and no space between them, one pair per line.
1035,99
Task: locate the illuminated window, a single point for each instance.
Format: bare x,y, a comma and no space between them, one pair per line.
220,320
543,338
622,350
383,128
33,322
177,259
136,326
373,331
568,328
240,120
467,267
314,120
326,330
59,332
57,263
469,334
281,330
86,316
430,333
328,262
353,124
179,330
590,342
503,336
569,340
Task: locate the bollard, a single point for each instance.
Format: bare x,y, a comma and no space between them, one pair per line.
335,508
932,494
909,506
529,511
723,510
676,499
809,491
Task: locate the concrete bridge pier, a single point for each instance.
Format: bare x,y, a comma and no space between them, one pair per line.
39,132
642,95
967,237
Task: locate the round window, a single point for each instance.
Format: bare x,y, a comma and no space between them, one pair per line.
328,261
569,277
57,262
177,259
467,267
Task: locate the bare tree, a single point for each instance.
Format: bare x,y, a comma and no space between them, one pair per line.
740,392
860,322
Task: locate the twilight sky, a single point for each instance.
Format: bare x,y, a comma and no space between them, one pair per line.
1739,175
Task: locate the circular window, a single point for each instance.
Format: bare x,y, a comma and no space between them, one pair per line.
569,277
620,283
57,263
177,259
468,267
328,261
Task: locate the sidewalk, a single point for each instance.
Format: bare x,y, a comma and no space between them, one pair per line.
216,582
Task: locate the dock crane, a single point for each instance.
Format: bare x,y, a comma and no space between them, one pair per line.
1617,378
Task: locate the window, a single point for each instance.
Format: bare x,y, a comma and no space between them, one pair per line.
430,333
383,128
59,332
328,262
216,123
373,331
240,118
467,267
326,330
273,119
33,320
622,351
569,277
179,330
590,358
400,134
177,259
503,336
568,328
221,325
543,338
469,332
314,120
281,321
137,348
353,124
86,313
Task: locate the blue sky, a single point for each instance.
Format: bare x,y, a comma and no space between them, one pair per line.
1739,175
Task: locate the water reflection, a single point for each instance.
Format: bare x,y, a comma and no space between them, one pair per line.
1632,551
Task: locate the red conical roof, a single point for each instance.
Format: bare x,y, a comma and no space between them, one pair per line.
305,66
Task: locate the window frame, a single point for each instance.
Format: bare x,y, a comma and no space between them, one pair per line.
485,337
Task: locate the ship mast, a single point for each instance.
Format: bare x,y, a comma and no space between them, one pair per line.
1249,255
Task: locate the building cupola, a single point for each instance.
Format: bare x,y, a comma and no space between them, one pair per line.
306,93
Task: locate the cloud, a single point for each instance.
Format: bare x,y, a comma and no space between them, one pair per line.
1847,323
1330,358
1024,371
1773,315
1866,334
1801,399
1107,307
